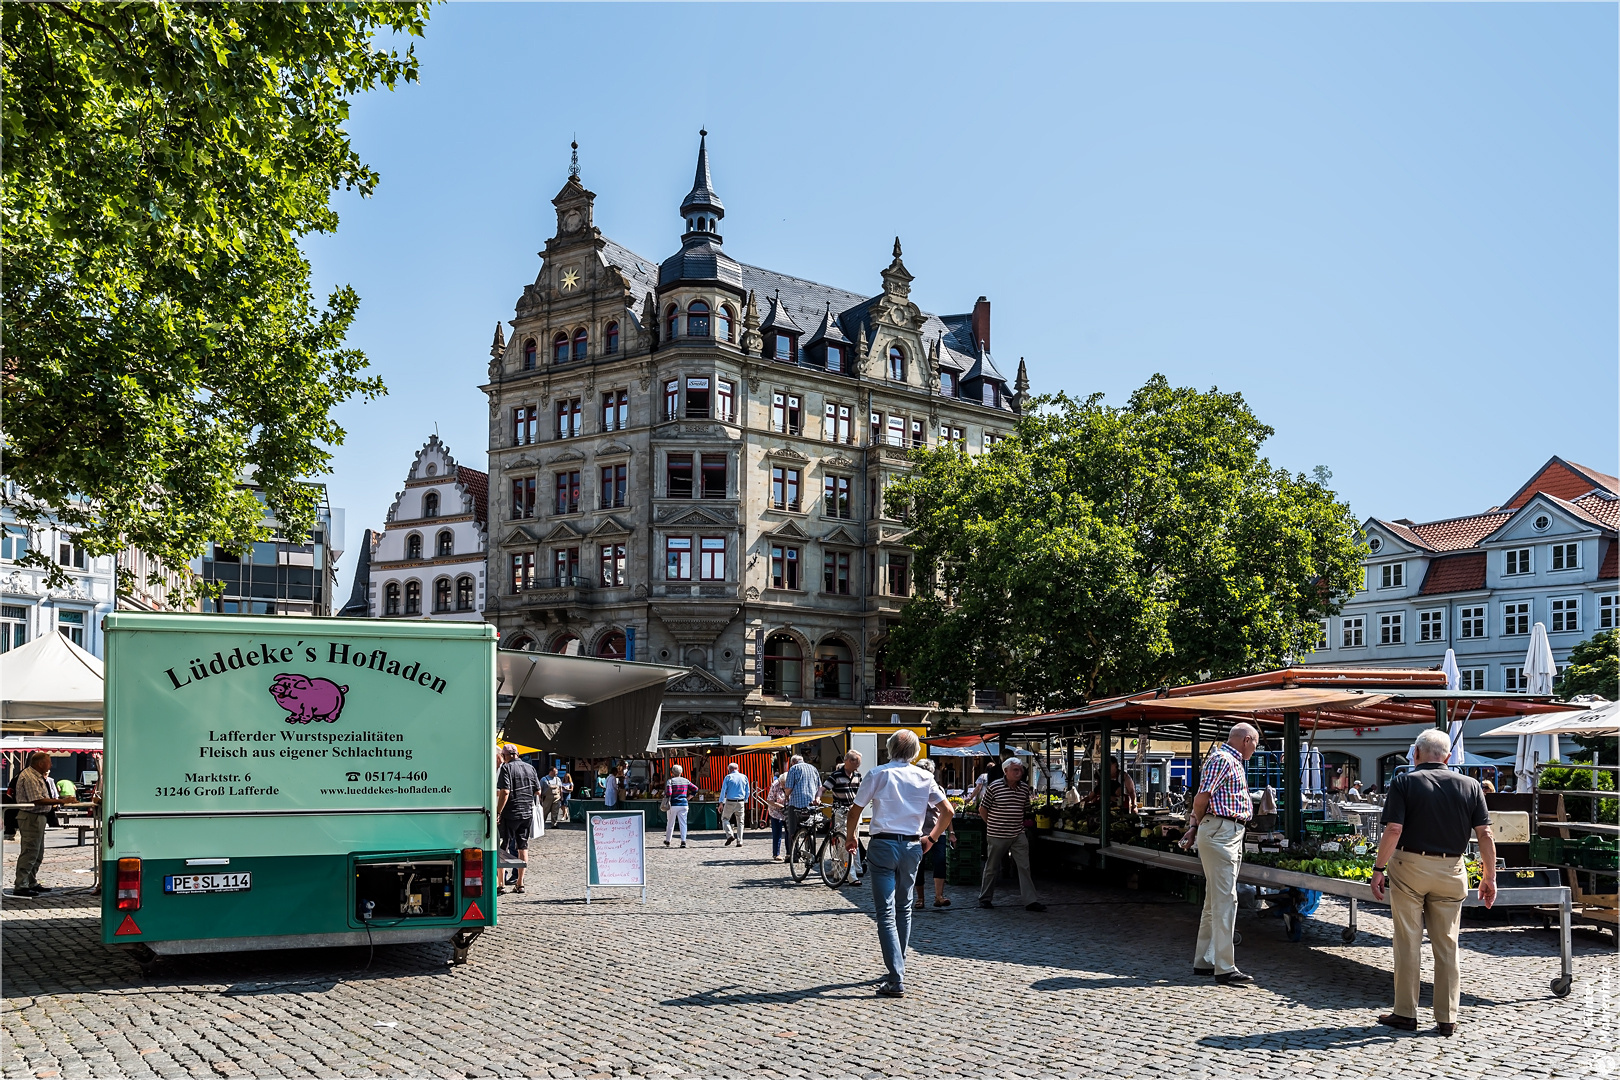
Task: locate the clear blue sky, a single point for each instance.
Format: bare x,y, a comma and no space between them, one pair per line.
1392,227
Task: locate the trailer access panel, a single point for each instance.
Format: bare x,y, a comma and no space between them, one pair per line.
286,782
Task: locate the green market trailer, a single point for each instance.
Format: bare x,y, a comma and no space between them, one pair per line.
286,782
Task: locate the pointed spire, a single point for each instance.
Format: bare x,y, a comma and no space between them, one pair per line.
751,313
1021,382
897,247
752,340
777,318
498,349
702,208
828,329
573,162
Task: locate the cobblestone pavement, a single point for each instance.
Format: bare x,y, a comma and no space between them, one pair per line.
732,971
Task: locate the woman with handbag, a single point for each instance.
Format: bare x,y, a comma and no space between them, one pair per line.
677,795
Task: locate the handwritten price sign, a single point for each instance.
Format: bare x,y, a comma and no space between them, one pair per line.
617,849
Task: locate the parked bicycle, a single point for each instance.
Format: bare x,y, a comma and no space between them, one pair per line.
818,845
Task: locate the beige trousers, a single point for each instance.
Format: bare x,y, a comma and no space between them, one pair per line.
733,812
31,829
1220,849
1426,889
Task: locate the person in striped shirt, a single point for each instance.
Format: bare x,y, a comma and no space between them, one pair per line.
1004,807
1219,812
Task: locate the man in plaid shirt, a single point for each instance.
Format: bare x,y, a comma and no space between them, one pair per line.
1219,812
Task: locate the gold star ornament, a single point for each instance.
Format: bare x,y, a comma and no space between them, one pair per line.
570,280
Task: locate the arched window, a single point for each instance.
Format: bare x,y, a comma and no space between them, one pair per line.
559,348
723,321
559,644
519,641
897,362
413,598
835,670
697,319
446,544
784,666
611,647
430,504
464,594
391,598
610,338
529,349
581,340
441,594
413,546
671,317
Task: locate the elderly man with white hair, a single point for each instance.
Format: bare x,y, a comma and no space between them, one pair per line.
1004,807
804,788
899,794
1428,814
1219,813
733,804
678,794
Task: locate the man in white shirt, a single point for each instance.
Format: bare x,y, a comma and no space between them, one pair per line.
899,794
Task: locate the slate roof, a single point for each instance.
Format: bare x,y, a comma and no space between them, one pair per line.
641,272
702,196
700,259
777,317
1455,573
985,368
359,603
828,330
477,485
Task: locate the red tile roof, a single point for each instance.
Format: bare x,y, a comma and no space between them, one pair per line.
1564,480
1455,573
1601,505
477,485
1610,567
1455,534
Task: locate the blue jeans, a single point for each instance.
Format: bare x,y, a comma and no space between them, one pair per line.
778,834
891,866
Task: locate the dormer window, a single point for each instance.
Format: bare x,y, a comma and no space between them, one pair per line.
992,395
529,349
697,319
581,342
835,357
781,347
559,349
672,315
897,363
947,383
610,338
722,323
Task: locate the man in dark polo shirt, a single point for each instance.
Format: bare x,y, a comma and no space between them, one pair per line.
1428,815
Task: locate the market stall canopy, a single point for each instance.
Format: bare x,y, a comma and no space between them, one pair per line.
51,744
581,706
51,683
1604,720
805,735
1325,697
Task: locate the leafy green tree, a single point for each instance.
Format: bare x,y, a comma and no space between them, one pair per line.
1594,668
1101,550
161,163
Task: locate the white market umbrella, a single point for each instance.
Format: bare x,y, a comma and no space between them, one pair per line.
1536,748
1452,672
1603,720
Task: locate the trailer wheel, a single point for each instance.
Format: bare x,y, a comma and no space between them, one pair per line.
1560,986
1347,935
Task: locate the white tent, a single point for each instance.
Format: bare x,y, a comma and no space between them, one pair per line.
1603,720
51,683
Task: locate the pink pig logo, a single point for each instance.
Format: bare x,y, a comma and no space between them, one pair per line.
307,699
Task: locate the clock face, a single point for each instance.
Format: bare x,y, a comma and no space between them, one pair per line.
571,221
570,280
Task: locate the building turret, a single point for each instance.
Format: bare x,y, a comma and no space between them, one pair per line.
700,258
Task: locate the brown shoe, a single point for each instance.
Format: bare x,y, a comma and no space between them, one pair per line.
1399,1022
1447,1030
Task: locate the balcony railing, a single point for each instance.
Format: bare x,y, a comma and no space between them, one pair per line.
897,696
560,581
787,429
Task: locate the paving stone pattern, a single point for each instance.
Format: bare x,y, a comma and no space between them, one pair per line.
730,970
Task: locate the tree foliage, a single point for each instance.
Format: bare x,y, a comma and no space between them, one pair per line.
1594,668
161,162
1101,550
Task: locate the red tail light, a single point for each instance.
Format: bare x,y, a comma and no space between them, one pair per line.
472,872
129,884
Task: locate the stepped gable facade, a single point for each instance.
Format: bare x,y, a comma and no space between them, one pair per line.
428,561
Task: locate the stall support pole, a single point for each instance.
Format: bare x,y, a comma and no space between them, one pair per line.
1197,768
1440,716
1106,788
1293,816
1068,763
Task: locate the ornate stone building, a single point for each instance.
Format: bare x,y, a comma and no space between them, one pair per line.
687,462
429,560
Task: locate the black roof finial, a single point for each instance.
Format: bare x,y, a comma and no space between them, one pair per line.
897,247
573,162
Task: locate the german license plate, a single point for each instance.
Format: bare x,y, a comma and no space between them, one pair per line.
203,883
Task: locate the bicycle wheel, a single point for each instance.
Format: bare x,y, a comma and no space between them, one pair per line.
833,862
802,854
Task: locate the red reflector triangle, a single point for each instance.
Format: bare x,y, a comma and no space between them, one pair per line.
472,912
127,927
